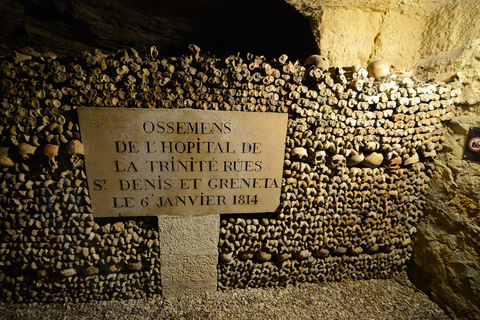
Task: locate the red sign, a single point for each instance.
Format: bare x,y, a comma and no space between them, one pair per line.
472,149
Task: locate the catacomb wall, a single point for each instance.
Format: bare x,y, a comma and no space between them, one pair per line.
446,260
358,156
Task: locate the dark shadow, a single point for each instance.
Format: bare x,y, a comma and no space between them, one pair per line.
261,27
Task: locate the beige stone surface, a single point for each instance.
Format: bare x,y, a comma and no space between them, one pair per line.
189,254
144,162
398,38
339,42
357,32
451,24
179,289
188,235
389,35
189,268
446,260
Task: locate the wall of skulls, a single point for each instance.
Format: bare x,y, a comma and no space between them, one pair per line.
358,157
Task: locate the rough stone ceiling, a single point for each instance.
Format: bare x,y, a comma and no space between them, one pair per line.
417,7
261,27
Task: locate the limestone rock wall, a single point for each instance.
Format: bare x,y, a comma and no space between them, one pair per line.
446,260
357,32
358,158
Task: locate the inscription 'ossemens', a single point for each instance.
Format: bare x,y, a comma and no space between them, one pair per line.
182,162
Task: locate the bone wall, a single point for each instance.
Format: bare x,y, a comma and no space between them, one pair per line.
358,156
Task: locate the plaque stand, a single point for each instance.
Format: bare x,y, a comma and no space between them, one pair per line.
188,253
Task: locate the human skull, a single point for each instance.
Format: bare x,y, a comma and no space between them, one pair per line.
338,162
320,157
379,68
76,152
51,152
318,61
299,153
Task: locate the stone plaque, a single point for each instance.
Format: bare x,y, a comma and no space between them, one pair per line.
143,162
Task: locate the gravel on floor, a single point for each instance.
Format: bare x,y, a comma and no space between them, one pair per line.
394,299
